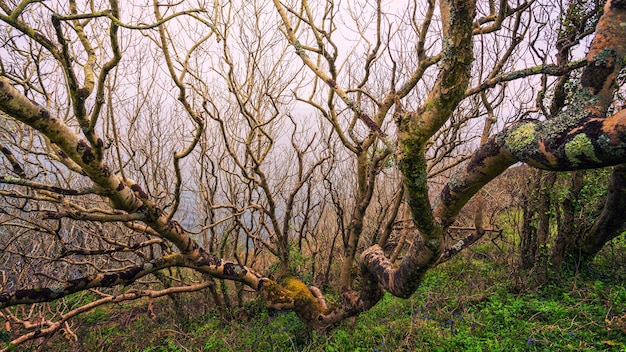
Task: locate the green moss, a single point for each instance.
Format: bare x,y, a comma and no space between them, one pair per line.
302,295
433,104
521,137
292,284
275,294
580,146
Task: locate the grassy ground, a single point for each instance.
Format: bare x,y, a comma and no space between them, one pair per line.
475,302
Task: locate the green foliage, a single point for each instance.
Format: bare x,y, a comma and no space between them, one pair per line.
579,14
467,304
96,315
298,264
594,189
5,336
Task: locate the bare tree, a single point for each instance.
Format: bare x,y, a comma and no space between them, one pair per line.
223,138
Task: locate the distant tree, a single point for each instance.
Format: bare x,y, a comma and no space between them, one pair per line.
274,145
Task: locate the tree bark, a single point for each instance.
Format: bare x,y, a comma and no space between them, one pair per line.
578,138
414,131
568,233
528,235
544,213
611,221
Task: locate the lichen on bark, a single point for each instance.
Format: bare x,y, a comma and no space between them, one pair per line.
580,147
521,137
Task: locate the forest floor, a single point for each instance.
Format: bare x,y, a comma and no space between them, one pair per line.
474,302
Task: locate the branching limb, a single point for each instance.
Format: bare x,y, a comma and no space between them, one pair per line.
40,186
62,289
301,52
552,70
53,327
577,138
130,198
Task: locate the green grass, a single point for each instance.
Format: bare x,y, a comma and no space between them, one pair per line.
475,302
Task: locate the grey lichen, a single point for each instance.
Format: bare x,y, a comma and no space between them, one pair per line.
604,142
57,287
456,181
459,245
434,245
147,266
238,269
299,49
602,58
571,117
580,146
436,202
447,48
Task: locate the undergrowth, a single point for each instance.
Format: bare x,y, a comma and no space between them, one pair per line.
472,303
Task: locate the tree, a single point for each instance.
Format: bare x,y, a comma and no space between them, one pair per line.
218,139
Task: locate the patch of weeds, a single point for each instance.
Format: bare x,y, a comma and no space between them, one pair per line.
95,316
169,345
466,304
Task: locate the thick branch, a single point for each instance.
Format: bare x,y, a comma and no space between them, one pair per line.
577,138
130,199
560,144
415,129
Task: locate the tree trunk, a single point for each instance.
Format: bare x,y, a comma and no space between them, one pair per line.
544,210
610,223
567,233
354,233
528,235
